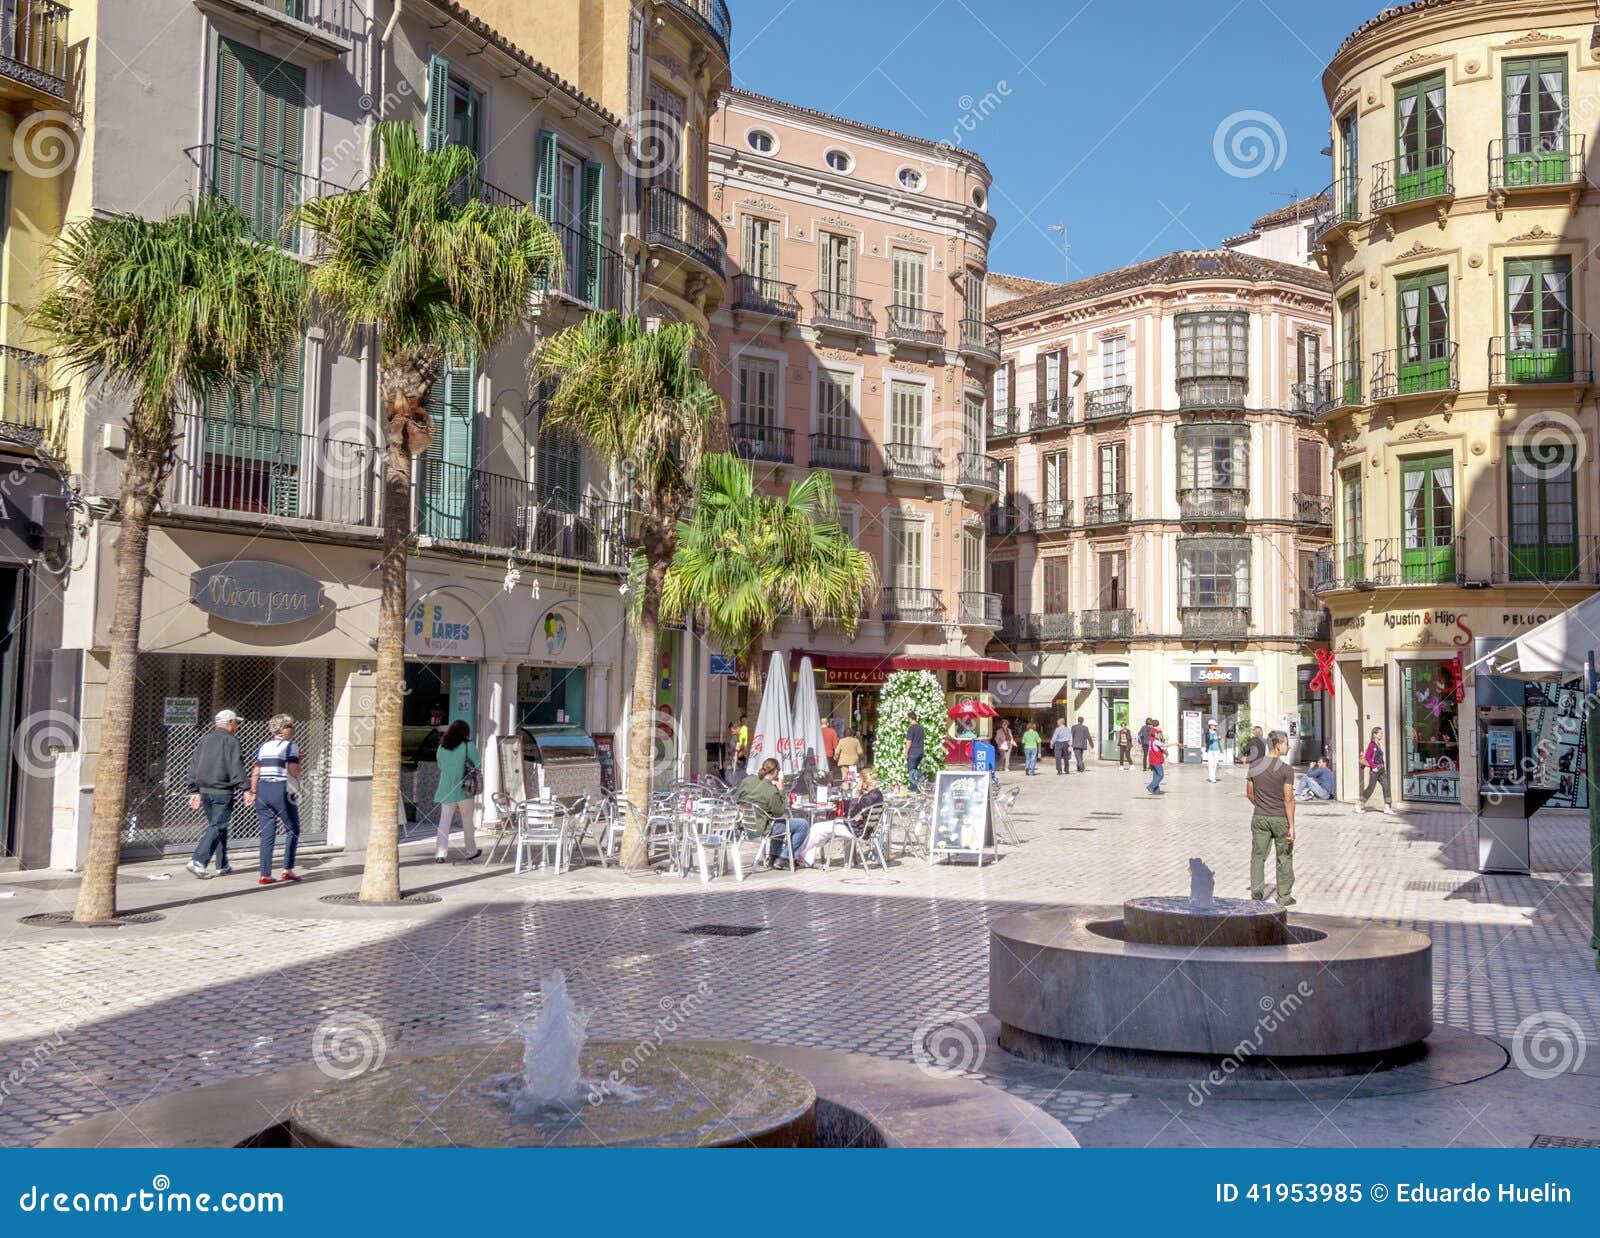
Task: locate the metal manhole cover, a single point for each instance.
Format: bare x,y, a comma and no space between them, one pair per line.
63,919
353,899
1563,1141
725,930
1446,887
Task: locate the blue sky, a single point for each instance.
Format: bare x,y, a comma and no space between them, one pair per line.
1102,114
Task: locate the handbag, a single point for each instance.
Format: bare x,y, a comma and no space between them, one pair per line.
472,779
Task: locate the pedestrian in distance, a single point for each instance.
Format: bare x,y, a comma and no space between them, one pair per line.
1061,745
1213,750
1124,747
1156,751
216,775
1316,783
460,784
1030,749
1255,750
1081,739
275,783
1270,790
1144,745
1004,742
848,754
915,750
1376,776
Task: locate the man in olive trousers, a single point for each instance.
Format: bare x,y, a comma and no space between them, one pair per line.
1270,790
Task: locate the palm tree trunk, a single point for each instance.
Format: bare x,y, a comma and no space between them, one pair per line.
659,540
756,675
404,380
144,473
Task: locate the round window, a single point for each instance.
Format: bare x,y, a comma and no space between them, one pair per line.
911,178
761,140
839,160
979,198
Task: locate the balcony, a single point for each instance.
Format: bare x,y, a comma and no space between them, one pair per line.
839,452
1051,414
1314,510
911,324
1536,164
322,29
977,471
1313,625
755,294
713,16
979,339
1557,360
838,311
1101,510
591,271
1106,625
912,461
263,190
1340,566
760,443
674,222
1107,403
1053,516
33,51
480,510
1214,623
1417,560
980,610
1009,519
1304,398
24,397
913,605
1005,422
1214,391
1400,373
1558,559
1397,184
1339,387
1045,629
1213,504
1340,209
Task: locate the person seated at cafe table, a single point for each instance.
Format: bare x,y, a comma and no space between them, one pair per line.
853,821
765,791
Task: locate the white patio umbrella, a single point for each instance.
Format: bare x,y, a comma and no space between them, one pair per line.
1561,645
807,720
773,736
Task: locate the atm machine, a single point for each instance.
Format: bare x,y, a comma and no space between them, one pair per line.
1507,797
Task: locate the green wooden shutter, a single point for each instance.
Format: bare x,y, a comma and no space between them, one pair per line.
445,498
438,135
250,442
546,174
259,136
594,219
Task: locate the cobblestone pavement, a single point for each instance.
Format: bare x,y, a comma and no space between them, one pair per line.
238,980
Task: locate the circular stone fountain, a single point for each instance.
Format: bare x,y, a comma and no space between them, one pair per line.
1172,985
677,1096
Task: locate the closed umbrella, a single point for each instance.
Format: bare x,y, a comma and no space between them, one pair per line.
808,742
774,728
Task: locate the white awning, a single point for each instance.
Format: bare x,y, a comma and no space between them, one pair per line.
1015,692
1561,645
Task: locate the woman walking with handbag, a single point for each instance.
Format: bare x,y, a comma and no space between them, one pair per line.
1376,766
460,784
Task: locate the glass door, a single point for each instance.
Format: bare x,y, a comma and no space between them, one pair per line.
1536,122
1539,320
1420,170
1425,333
1353,528
838,274
1428,508
1348,190
1544,515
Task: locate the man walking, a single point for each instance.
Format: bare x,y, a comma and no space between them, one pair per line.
1060,744
1270,790
1030,749
916,747
215,776
1156,754
1080,741
1144,745
1255,750
1124,747
275,783
1213,746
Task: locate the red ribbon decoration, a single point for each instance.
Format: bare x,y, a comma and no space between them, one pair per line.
1322,681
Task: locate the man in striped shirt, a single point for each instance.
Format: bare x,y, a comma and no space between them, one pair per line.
275,781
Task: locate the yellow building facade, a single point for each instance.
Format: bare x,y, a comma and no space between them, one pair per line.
1460,405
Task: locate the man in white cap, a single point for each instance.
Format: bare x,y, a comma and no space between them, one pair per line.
216,775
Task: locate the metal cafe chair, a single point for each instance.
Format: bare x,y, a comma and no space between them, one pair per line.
715,836
869,842
542,826
505,829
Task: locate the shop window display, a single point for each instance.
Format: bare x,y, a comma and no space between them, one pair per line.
1432,736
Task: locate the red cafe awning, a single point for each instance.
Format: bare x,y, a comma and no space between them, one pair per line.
908,662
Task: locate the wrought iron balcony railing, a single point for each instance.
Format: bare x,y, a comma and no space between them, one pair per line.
1339,386
1213,504
1050,414
263,190
979,339
713,15
678,224
978,471
911,324
1047,629
476,508
757,442
912,605
839,452
1434,560
1305,397
1107,402
1557,359
1315,510
1203,623
1009,519
1106,625
33,45
1215,392
758,295
841,312
1398,183
1005,422
980,610
1313,625
1402,372
1053,516
1341,206
1340,566
1105,509
591,271
1536,162
912,460
1558,558
24,396
344,20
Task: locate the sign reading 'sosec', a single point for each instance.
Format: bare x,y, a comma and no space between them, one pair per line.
257,593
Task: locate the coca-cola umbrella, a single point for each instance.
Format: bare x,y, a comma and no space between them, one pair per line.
774,733
970,709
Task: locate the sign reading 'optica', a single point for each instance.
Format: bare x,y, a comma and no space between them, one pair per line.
260,594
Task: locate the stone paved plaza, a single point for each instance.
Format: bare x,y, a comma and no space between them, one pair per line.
237,980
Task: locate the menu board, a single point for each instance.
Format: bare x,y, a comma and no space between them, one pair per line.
961,822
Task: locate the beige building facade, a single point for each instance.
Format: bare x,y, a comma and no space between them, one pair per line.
1460,400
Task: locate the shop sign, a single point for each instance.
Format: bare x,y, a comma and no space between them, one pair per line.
554,630
1082,685
180,711
441,627
724,665
1214,674
260,594
841,678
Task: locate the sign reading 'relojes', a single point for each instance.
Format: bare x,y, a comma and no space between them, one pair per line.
260,594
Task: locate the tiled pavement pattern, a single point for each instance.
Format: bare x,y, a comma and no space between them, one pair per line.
238,980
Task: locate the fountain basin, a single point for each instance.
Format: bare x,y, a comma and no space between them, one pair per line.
1333,996
633,1095
1225,922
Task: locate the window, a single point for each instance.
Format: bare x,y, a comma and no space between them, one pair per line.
761,141
252,443
1348,186
1428,514
906,421
837,272
445,506
979,198
570,192
662,157
910,281
1003,583
1215,457
1113,469
1055,585
973,437
836,414
1420,156
975,296
455,109
1350,332
1308,467
1536,120
1113,566
1352,530
760,249
1308,356
1544,513
1432,750
758,392
1539,320
258,136
906,543
1214,572
912,179
1307,560
839,160
1113,362
1002,387
1213,357
971,561
1055,478
560,468
1425,354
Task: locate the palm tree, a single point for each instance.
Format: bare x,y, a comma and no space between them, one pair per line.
746,559
415,255
639,399
160,311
